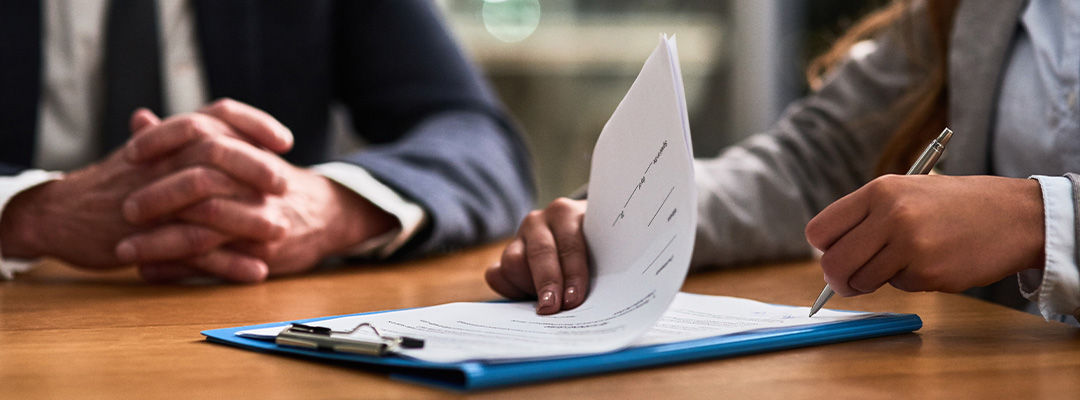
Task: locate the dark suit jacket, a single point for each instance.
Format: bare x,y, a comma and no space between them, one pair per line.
436,133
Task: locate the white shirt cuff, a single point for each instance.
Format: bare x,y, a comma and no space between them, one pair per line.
1055,288
409,215
9,187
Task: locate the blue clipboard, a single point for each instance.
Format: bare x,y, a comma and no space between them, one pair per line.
477,375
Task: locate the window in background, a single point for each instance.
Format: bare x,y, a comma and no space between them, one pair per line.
561,66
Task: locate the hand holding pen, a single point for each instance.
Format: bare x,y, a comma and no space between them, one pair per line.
922,233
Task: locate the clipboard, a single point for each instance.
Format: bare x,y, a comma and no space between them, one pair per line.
479,375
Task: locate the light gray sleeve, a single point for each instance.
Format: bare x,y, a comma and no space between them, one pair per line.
756,197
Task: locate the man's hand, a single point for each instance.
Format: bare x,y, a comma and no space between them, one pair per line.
205,221
922,233
317,218
78,218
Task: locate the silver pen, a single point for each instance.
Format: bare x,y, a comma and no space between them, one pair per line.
922,166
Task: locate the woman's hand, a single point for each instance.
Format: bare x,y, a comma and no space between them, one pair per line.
547,257
923,233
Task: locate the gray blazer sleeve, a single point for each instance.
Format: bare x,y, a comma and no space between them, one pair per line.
756,197
435,131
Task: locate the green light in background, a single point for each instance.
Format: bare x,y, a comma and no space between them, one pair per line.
511,20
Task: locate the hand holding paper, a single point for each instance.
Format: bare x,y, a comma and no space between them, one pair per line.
641,207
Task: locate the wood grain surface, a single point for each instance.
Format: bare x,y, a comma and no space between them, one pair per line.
71,334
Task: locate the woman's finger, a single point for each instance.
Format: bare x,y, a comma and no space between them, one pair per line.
564,219
542,257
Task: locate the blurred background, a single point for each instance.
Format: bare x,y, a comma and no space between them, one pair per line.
561,66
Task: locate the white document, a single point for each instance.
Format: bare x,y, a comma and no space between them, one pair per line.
640,226
696,316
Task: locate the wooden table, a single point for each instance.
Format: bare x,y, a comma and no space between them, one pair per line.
70,334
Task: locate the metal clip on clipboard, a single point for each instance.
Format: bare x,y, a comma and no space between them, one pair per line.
321,338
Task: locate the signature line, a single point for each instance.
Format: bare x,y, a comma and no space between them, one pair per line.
661,206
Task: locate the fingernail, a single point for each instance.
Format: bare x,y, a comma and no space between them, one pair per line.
570,296
131,211
547,300
125,251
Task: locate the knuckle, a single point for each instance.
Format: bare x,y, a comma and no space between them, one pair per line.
569,246
191,127
562,204
883,186
209,210
266,173
533,220
540,251
267,224
202,181
888,181
513,265
513,255
215,152
903,215
552,283
196,181
264,250
223,105
196,239
921,244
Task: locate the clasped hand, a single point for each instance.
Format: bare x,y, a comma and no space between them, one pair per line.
196,194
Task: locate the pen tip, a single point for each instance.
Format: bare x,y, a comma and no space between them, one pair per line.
944,137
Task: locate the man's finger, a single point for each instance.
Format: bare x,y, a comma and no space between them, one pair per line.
255,124
178,191
142,119
169,243
172,134
168,272
252,166
236,218
221,263
232,266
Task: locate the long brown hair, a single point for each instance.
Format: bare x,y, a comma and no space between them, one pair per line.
927,102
